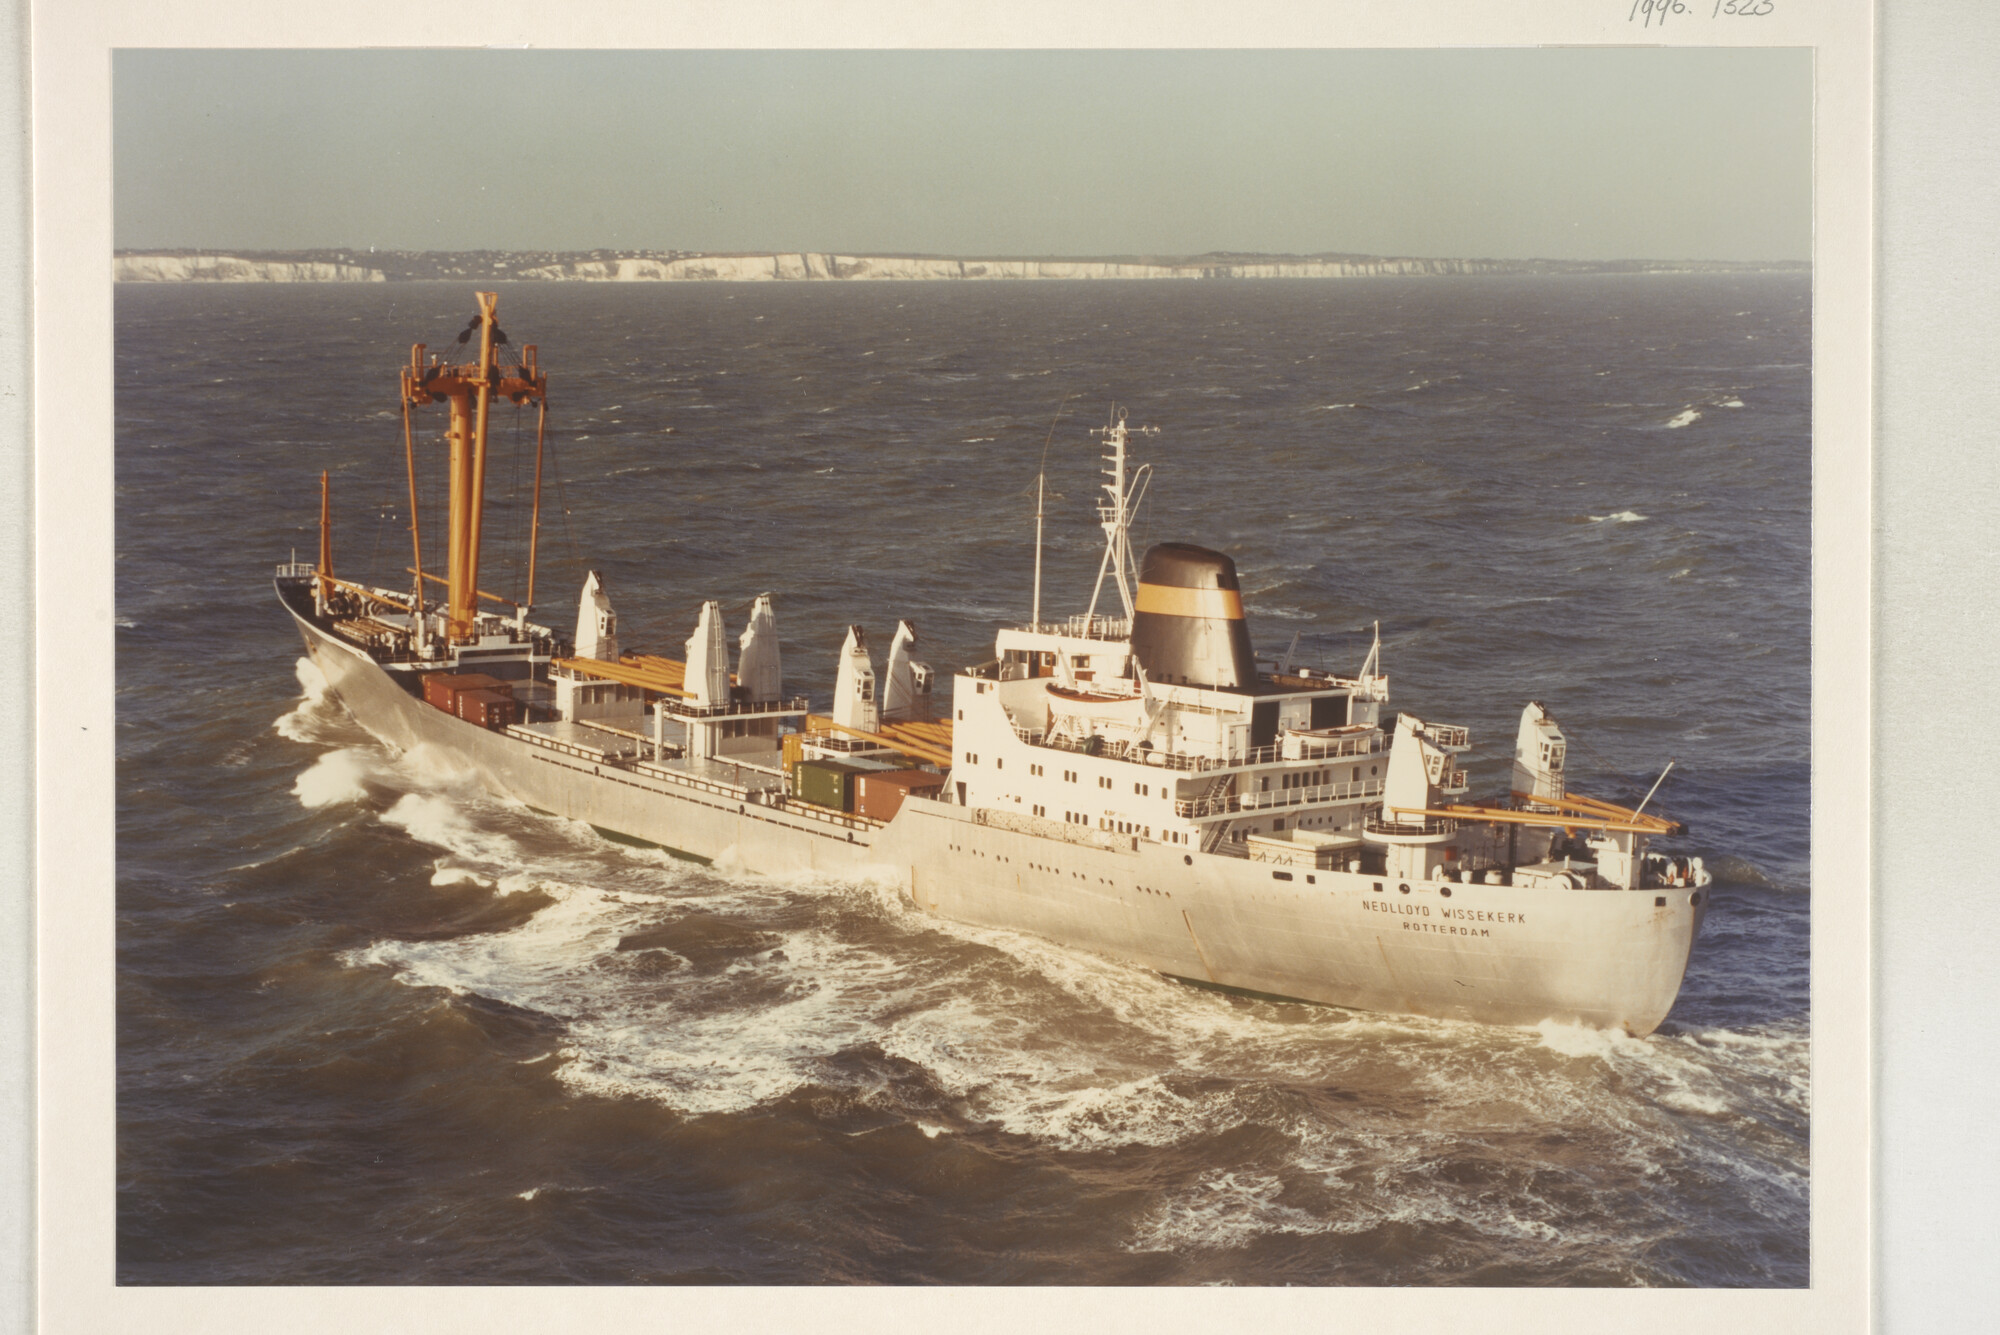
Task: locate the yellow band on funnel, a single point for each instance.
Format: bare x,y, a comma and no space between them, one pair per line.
1165,600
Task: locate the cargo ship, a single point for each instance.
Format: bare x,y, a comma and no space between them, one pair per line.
1130,780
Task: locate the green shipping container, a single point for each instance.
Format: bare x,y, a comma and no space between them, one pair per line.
825,783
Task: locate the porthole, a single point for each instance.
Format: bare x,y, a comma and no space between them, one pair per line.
1378,887
1694,900
1281,876
1445,891
1404,888
1660,901
1188,858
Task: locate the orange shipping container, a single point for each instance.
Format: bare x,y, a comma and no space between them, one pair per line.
441,689
487,708
879,794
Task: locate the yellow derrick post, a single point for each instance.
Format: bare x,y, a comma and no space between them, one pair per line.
459,435
368,595
483,391
439,579
905,743
325,535
410,462
535,515
1565,820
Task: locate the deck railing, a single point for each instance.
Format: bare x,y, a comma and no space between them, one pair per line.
1230,803
1369,744
797,704
1083,628
1430,825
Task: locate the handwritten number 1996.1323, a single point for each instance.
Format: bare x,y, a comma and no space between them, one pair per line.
1647,13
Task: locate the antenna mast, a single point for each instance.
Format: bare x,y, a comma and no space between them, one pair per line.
1041,487
1115,515
1035,618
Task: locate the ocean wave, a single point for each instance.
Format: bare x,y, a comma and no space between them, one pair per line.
1686,417
336,777
738,992
1225,1209
1621,517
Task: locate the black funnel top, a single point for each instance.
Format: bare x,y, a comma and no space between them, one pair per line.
1187,623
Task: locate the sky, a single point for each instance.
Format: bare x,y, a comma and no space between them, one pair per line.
1562,153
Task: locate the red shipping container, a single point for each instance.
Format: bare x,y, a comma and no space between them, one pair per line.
879,794
485,707
441,689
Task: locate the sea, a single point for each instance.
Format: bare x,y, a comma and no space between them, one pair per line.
376,1026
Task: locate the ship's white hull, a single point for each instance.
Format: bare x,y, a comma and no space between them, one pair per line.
1495,954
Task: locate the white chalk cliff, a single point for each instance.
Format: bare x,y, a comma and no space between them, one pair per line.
229,269
789,266
810,265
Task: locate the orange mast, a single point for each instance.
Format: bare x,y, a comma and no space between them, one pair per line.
535,516
469,390
416,535
325,538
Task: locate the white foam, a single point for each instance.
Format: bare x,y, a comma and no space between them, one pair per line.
435,767
1578,1040
1686,417
309,720
1223,1211
1730,403
436,819
447,875
335,777
1621,517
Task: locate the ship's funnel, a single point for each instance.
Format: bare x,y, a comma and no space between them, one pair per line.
758,669
906,683
596,623
854,688
708,658
1187,620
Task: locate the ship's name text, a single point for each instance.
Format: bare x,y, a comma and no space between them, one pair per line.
1425,911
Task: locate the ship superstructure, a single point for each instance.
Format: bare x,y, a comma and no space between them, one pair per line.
1131,780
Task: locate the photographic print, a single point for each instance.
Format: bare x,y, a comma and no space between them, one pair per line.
937,667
